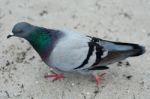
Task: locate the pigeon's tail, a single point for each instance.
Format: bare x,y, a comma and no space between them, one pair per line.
138,49
125,49
131,49
118,51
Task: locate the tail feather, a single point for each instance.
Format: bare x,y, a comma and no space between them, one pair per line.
139,50
118,51
136,49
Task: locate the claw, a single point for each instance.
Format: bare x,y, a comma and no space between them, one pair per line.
55,76
98,78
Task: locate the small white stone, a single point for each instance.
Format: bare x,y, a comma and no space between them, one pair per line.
36,82
88,93
143,30
72,84
16,94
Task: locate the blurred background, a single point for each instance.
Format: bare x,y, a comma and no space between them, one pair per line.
22,71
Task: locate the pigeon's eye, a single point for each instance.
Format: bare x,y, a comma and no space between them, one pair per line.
19,31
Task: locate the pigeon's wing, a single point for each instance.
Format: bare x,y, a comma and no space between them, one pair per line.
95,50
114,52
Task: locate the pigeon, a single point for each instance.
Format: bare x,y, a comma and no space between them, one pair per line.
71,52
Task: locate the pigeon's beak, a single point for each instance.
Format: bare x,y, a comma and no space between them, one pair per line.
9,36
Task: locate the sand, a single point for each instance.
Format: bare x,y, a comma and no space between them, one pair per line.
22,71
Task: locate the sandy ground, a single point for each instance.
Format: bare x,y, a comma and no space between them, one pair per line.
22,71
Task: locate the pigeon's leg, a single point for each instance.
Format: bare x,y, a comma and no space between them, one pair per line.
55,76
98,78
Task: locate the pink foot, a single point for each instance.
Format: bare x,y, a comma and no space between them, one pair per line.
55,76
98,78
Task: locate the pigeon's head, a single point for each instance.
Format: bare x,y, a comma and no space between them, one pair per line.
22,30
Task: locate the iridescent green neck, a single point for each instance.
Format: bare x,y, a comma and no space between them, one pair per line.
41,41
